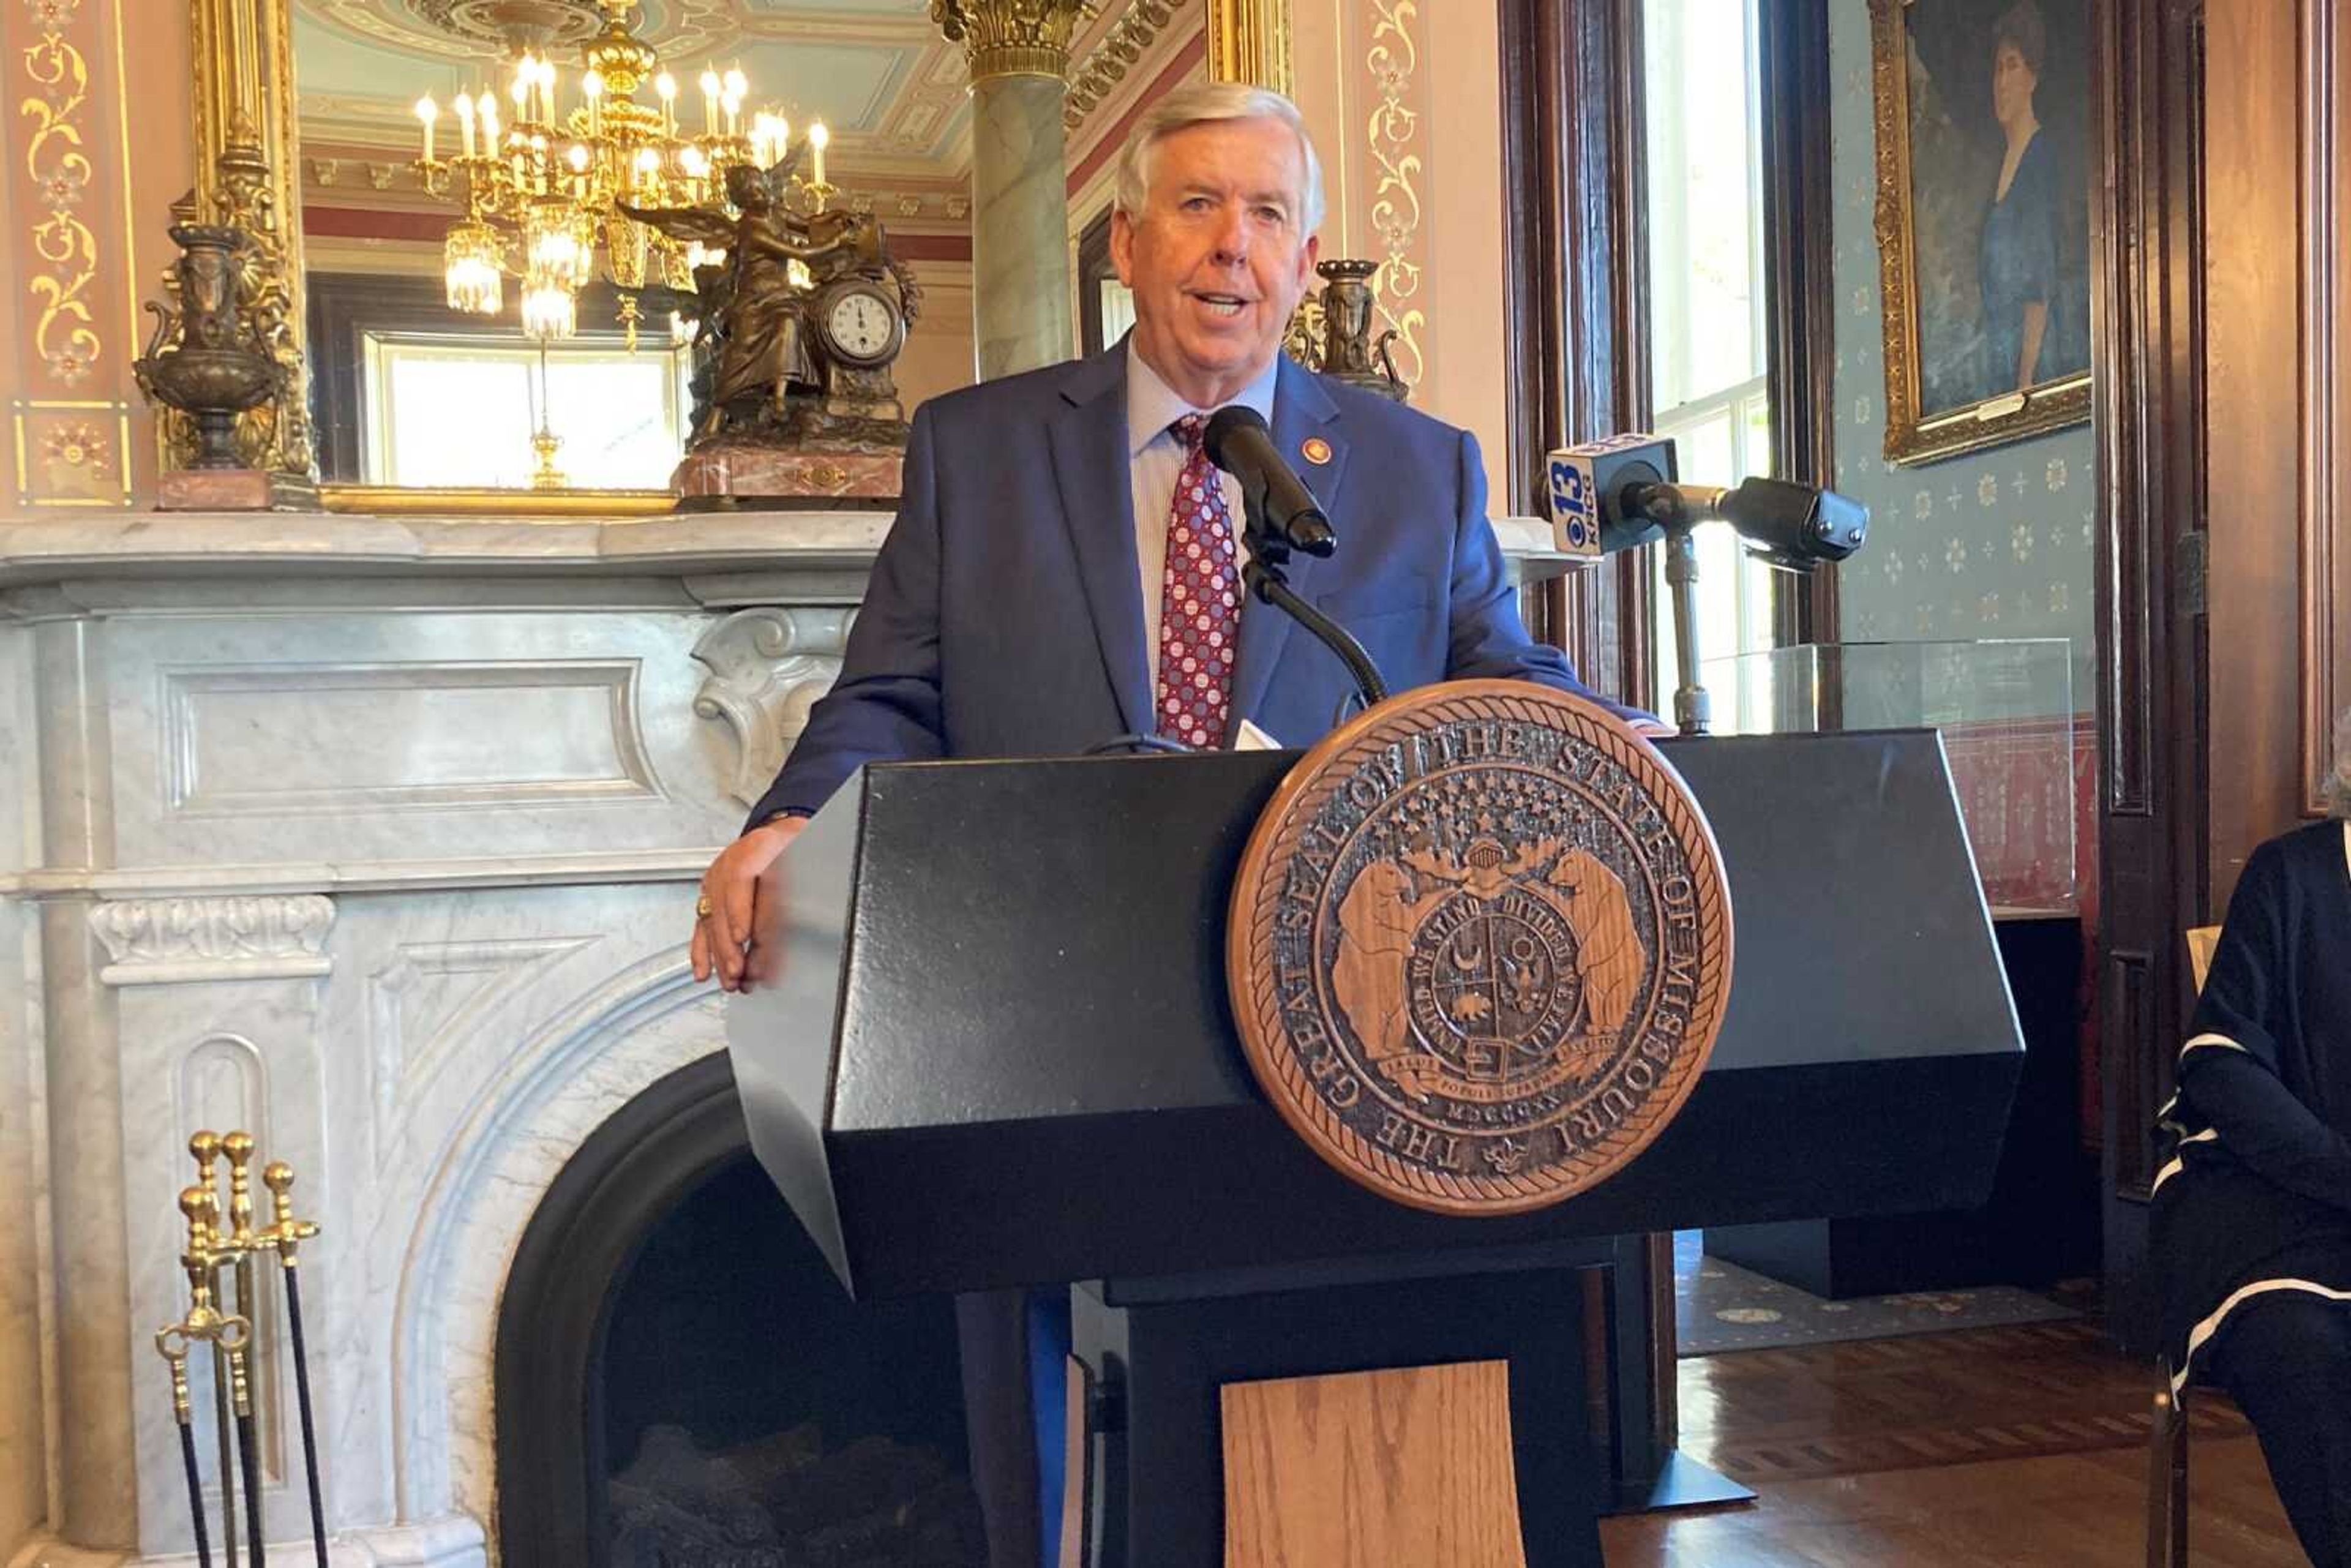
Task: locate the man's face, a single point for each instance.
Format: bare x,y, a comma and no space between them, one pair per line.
1215,259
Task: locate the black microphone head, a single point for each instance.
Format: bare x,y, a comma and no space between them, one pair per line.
1312,533
1233,419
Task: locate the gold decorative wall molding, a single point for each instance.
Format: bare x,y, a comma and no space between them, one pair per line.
72,452
70,434
1249,41
1392,129
1011,38
64,335
1120,51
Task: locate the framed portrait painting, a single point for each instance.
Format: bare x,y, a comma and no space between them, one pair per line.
1983,224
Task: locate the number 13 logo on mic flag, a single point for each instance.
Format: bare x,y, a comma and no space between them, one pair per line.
1579,477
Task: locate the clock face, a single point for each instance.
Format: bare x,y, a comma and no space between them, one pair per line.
860,324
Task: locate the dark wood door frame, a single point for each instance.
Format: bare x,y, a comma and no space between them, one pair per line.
1575,239
1577,285
1093,265
1800,283
2148,299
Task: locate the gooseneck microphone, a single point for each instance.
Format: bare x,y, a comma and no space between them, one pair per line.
1279,515
1238,441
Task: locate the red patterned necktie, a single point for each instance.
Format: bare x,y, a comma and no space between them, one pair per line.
1200,600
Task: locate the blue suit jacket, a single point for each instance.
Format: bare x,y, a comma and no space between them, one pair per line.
1005,613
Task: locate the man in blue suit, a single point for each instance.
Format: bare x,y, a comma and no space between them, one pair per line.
1017,608
1063,570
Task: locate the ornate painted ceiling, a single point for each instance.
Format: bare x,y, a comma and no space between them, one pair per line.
876,71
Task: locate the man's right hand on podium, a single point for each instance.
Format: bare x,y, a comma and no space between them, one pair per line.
722,915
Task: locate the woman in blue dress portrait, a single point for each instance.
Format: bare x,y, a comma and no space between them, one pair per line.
2032,326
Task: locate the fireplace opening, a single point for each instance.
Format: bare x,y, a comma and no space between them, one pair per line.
683,1383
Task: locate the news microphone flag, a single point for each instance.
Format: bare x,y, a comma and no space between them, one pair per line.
1577,484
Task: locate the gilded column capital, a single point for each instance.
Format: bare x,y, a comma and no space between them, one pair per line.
1011,38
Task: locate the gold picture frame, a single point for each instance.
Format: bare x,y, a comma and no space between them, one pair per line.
1955,318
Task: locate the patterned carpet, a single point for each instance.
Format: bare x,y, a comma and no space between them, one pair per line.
1719,1306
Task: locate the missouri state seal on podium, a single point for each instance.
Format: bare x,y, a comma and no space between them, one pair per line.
1480,947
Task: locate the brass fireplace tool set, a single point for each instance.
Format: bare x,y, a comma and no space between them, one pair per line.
223,1303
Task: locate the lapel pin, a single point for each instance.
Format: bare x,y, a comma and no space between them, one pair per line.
1317,450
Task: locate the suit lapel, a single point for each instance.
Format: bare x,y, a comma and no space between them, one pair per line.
1091,468
1301,409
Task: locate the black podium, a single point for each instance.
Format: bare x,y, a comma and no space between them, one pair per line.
988,1045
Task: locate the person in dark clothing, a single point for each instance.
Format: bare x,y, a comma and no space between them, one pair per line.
2253,1198
2017,263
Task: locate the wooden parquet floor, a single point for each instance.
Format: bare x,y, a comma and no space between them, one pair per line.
1990,1448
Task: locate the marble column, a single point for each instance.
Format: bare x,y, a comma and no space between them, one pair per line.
96,1464
1020,226
24,1175
1020,57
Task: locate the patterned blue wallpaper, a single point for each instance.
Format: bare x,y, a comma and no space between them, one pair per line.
1992,544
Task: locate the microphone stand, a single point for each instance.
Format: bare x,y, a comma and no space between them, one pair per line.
1263,575
1692,708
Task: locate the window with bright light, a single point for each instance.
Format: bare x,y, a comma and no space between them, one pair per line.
1117,309
455,412
1707,310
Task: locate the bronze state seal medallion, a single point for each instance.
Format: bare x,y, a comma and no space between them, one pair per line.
1480,947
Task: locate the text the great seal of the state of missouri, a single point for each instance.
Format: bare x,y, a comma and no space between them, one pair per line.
1480,947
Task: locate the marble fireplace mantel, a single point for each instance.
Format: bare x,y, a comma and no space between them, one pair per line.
374,836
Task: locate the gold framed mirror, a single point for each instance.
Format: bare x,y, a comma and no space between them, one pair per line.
307,132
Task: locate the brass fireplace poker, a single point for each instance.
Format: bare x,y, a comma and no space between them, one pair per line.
213,1260
206,1146
285,1233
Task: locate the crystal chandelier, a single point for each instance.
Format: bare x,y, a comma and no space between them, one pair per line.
540,183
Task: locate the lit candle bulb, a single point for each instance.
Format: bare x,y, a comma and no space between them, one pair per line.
465,108
521,91
547,77
709,103
488,110
733,90
428,111
579,160
666,85
591,87
817,137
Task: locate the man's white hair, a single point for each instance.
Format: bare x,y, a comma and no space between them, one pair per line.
2338,781
1198,105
